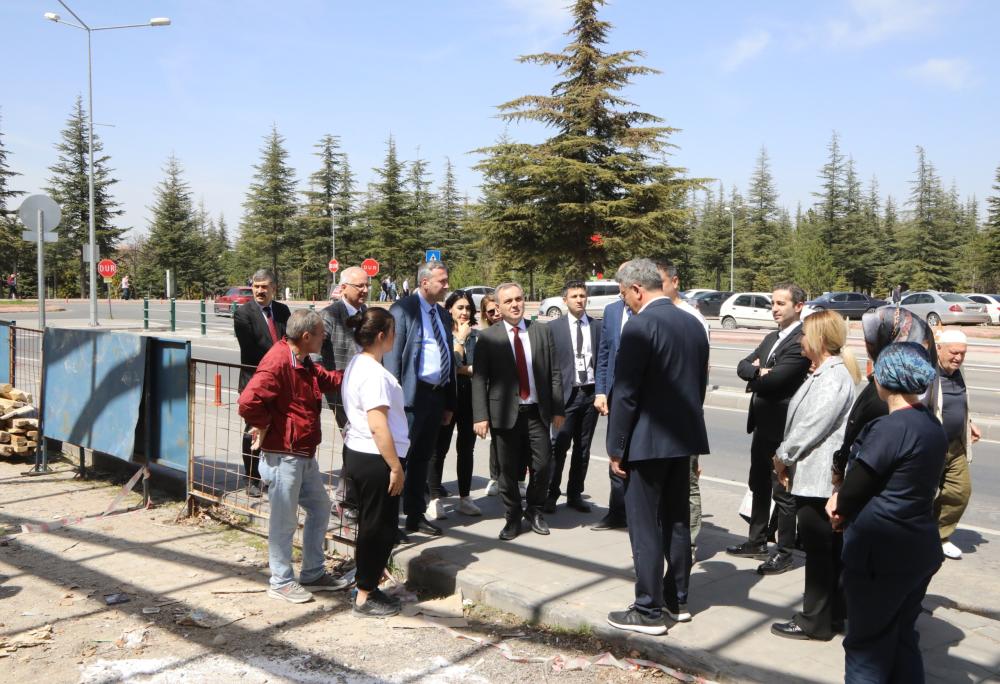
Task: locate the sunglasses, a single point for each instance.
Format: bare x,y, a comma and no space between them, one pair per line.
492,312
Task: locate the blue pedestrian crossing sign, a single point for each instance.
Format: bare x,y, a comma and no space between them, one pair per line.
432,255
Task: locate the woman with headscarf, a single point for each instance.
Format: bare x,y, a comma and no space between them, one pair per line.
881,328
886,502
814,429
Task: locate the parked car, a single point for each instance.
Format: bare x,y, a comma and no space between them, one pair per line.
747,310
991,302
237,294
850,304
708,302
694,292
600,293
478,292
947,308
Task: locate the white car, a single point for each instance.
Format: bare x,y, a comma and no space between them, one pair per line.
747,310
478,292
992,302
600,293
688,294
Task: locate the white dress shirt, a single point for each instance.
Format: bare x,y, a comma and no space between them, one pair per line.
523,335
586,352
782,334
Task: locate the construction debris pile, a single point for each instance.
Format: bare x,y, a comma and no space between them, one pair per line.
18,422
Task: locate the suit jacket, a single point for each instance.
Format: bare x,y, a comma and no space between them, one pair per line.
563,339
253,335
338,344
494,376
607,352
660,380
404,359
773,391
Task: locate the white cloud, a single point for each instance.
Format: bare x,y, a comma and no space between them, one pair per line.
954,74
876,21
745,49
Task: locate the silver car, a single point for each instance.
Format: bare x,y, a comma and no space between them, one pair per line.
947,308
600,293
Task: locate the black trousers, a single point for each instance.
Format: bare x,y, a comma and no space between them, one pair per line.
578,430
529,438
823,601
764,485
251,461
424,419
377,512
882,642
656,499
465,444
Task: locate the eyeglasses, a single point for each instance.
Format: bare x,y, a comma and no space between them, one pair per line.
363,286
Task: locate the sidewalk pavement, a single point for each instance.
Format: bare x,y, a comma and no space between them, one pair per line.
575,576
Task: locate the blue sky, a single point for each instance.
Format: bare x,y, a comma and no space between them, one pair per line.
887,74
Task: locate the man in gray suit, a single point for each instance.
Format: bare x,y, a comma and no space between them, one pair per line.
338,345
517,391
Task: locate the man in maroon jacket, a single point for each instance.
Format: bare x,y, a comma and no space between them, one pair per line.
282,404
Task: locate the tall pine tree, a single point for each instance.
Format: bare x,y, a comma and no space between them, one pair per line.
768,243
395,241
12,248
992,230
175,241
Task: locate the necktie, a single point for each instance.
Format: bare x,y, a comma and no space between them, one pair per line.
582,374
524,384
270,324
442,347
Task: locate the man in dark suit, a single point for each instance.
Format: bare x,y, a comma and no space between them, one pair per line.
773,372
338,344
517,392
258,324
577,338
616,315
422,361
656,425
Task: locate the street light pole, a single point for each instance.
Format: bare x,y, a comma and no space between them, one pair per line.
92,227
732,245
333,230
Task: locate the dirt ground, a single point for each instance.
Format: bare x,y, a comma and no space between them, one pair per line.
195,610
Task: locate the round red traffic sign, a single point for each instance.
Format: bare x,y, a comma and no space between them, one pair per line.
334,265
107,268
370,267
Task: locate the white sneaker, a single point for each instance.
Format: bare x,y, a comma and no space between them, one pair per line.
951,551
492,488
523,488
466,507
435,510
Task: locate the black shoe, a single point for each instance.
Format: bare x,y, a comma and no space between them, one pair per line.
578,504
550,504
748,550
421,524
537,522
401,537
776,564
253,490
511,530
608,523
377,605
634,621
789,630
678,612
385,598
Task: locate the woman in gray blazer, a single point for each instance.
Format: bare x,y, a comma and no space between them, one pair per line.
814,430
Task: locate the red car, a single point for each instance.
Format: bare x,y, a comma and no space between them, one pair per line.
238,294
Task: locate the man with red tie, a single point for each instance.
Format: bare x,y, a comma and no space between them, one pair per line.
258,325
517,392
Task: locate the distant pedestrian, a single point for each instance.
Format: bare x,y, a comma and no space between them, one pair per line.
891,543
259,324
377,435
393,292
951,407
281,404
814,430
406,287
12,286
126,288
897,294
462,309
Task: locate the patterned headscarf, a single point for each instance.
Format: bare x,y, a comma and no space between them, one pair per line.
892,323
904,367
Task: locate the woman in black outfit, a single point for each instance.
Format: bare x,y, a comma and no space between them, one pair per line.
463,314
891,544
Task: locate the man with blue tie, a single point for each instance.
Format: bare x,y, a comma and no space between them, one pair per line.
656,425
421,359
616,315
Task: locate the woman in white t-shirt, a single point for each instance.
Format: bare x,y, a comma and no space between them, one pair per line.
377,433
